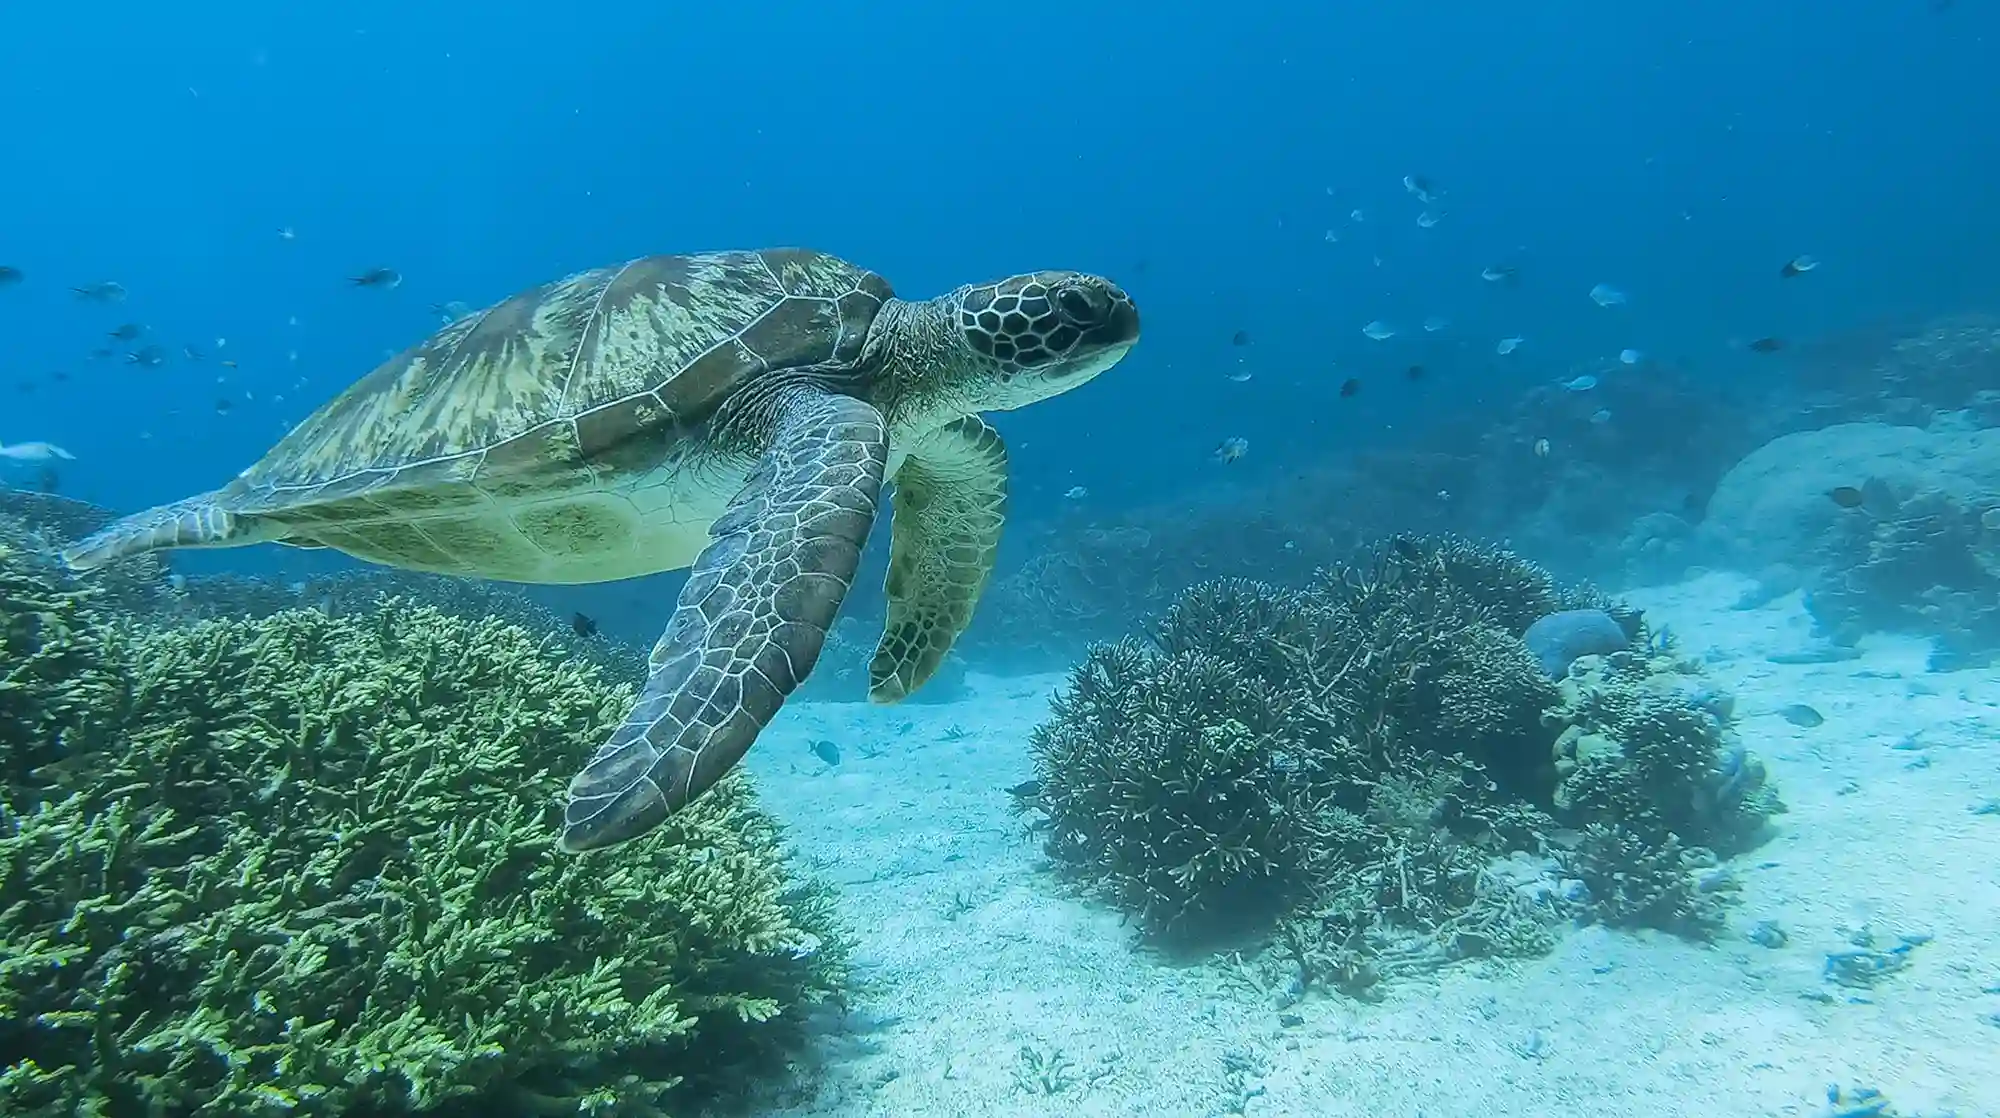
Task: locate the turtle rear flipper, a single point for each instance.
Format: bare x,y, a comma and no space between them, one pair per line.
195,522
750,621
951,500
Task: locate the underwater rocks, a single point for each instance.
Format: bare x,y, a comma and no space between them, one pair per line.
1559,639
1886,528
1776,505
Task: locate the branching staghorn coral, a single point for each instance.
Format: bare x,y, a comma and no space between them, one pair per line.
304,865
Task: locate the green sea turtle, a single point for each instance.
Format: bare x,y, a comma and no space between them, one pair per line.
737,412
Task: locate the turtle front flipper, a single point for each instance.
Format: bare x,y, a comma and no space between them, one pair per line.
951,500
200,521
749,623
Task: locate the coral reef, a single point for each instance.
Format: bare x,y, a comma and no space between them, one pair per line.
1929,564
1907,375
303,864
1915,546
1647,764
35,526
1345,762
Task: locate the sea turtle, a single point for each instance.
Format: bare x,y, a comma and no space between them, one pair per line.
733,411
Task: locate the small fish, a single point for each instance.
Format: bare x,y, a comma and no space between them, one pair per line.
1356,216
1427,220
1414,372
10,275
1350,388
35,452
826,751
150,357
1500,273
583,625
451,310
288,234
1584,383
1766,345
1435,323
1846,496
191,351
1990,519
1332,237
1798,266
1026,790
222,405
1241,337
1630,357
1799,714
101,352
228,364
378,277
1378,330
1600,417
1541,448
1240,376
105,292
1508,345
1230,449
1076,493
127,331
1425,191
1605,295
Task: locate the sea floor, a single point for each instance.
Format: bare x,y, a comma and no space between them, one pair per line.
978,965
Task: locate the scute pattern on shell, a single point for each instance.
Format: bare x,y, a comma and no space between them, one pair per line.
561,376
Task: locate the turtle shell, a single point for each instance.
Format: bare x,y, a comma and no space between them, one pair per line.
591,375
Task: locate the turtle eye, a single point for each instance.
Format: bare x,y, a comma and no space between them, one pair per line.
1082,305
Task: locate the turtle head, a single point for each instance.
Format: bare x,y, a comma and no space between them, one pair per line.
1030,337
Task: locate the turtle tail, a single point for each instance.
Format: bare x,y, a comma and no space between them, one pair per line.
195,522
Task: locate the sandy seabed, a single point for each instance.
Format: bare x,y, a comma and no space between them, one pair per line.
971,951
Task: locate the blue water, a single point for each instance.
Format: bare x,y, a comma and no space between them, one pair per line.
1196,153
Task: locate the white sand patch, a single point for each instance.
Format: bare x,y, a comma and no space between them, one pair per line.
973,951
